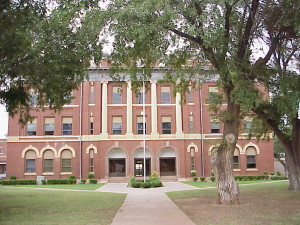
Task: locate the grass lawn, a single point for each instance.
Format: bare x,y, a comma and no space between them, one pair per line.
44,207
64,186
264,203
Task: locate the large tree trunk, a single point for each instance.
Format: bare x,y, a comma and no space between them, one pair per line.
227,188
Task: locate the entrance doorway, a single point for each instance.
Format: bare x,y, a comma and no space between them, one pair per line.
139,167
167,162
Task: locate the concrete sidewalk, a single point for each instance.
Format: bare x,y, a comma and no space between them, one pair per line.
148,206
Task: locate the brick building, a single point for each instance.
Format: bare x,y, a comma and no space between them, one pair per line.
3,152
101,131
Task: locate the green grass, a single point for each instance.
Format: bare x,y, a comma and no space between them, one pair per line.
38,206
64,186
263,203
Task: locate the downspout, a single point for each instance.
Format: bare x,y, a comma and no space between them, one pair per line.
80,130
201,130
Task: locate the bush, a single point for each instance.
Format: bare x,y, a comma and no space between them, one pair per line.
272,173
278,174
202,178
212,178
193,173
156,184
93,181
195,178
44,182
13,177
146,185
72,177
265,173
136,184
18,182
279,178
91,175
72,181
212,173
83,181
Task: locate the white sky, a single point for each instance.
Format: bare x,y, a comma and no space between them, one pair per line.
3,122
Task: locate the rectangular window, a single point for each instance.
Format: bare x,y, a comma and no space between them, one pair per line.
30,166
67,126
31,128
190,98
251,161
91,160
48,165
236,164
92,93
191,124
192,158
66,165
214,126
68,98
91,125
1,150
139,98
33,99
213,93
165,95
117,95
166,125
117,125
247,126
140,127
49,126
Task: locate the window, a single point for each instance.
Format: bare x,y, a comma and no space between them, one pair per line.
165,95
247,126
48,161
140,127
33,99
191,124
91,125
213,93
190,98
49,126
166,125
236,161
67,126
30,161
31,128
91,160
192,158
1,150
117,95
66,161
92,94
139,98
117,125
251,157
68,98
214,126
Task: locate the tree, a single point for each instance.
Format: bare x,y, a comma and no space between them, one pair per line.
44,52
224,33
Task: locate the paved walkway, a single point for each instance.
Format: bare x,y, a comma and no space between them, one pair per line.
148,206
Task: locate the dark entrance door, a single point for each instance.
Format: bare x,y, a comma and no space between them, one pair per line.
139,167
117,167
167,166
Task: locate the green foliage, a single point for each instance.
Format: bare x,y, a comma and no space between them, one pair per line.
202,178
13,177
18,182
279,178
72,177
93,181
193,173
212,173
146,185
272,173
265,173
61,181
195,178
251,177
91,175
136,184
278,174
212,179
83,181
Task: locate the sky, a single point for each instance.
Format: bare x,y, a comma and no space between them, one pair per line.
3,122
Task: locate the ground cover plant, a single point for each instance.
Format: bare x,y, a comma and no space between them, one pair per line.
66,186
263,203
35,207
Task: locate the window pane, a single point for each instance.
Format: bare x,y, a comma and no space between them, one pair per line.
66,165
67,129
31,129
30,166
251,161
166,128
117,95
236,164
49,129
48,165
165,98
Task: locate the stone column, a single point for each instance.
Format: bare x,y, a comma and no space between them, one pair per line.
129,133
179,133
154,133
104,133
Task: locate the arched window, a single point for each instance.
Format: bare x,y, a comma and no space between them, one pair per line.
66,161
236,159
91,155
30,157
251,157
192,158
48,161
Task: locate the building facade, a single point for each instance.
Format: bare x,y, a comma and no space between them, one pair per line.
102,131
3,152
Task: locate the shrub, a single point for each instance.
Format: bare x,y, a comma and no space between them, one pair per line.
83,181
91,175
146,185
212,178
195,178
72,177
44,182
202,178
18,182
136,184
13,177
279,178
212,173
193,173
72,181
265,173
156,184
278,174
93,181
272,173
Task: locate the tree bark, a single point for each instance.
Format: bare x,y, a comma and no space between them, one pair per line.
227,188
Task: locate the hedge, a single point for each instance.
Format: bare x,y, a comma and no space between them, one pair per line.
18,182
58,181
251,177
93,181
